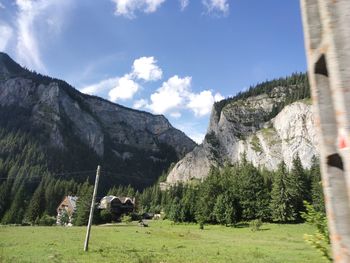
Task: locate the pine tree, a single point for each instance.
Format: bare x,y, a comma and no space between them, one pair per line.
176,212
37,204
253,194
316,186
188,202
282,209
298,185
5,201
81,215
220,209
16,212
208,192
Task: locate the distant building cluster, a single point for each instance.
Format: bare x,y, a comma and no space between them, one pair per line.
117,206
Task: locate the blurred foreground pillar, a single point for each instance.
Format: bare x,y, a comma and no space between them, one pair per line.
327,43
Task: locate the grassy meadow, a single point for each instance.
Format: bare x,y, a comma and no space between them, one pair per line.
162,241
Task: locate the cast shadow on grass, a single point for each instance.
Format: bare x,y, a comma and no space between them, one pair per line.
241,225
246,225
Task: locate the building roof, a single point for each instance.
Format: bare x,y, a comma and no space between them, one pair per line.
73,200
69,203
109,198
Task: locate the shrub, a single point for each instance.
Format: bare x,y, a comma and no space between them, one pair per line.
47,220
126,219
64,218
255,225
106,216
320,240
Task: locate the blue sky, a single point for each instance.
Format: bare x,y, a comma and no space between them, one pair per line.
171,57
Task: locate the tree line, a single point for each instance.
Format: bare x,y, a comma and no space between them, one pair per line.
234,193
240,192
297,88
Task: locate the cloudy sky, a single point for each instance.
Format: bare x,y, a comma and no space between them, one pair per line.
170,57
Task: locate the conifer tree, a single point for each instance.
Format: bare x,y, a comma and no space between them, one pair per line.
81,215
298,183
16,212
37,204
282,209
316,186
220,209
5,201
254,196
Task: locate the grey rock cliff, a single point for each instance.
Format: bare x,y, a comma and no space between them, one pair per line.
245,126
62,116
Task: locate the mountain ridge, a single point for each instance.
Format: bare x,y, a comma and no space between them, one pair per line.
62,120
247,123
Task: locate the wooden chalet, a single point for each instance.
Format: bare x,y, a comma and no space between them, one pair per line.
117,205
68,205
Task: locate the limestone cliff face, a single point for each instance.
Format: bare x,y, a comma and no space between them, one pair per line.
61,116
91,118
249,126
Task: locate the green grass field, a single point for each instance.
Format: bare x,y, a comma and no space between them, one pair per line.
160,242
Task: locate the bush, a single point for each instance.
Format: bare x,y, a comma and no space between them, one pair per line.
47,220
106,216
136,217
255,225
126,219
64,218
320,240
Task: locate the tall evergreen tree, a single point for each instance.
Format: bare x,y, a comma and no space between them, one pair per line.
16,212
81,216
281,206
5,200
176,213
208,192
254,196
316,186
37,204
227,209
298,185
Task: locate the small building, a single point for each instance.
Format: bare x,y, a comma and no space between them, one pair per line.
68,205
117,205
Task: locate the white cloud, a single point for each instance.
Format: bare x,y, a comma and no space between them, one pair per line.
184,4
141,103
218,97
125,89
29,21
101,86
2,5
217,6
6,33
127,8
193,129
197,137
146,68
175,114
175,95
202,102
171,95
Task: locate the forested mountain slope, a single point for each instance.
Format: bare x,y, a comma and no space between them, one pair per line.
49,129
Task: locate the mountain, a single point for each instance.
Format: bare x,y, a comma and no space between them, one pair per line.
70,132
270,123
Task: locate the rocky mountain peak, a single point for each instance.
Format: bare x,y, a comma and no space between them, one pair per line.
82,127
268,123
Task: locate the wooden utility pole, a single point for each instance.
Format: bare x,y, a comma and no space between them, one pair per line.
86,244
327,43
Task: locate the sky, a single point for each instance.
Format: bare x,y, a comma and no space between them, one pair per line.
170,57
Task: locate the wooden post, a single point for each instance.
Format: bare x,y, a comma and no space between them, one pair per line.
86,244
